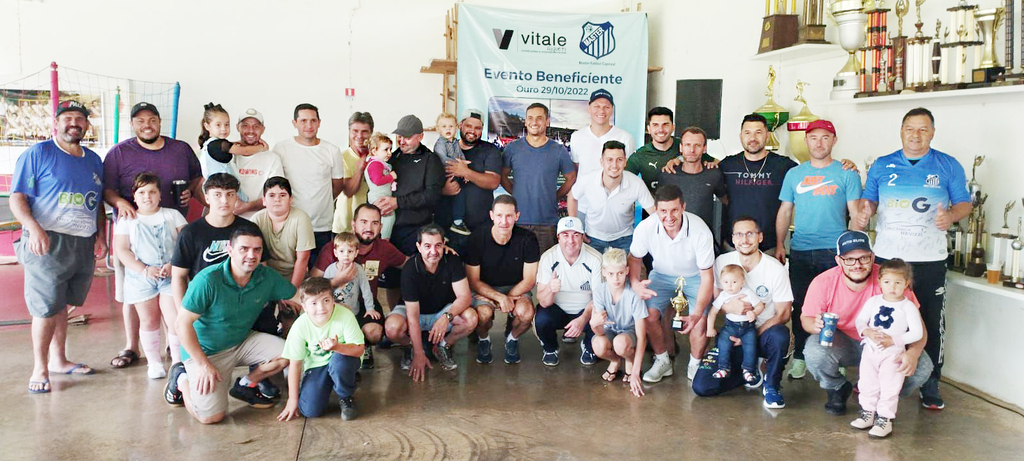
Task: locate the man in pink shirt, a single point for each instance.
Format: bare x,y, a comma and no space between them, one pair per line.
843,290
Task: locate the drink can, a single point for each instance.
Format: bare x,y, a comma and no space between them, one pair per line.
178,187
829,330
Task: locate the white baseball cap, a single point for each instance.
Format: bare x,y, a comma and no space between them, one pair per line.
570,223
251,113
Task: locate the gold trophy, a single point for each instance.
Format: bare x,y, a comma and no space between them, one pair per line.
797,126
679,304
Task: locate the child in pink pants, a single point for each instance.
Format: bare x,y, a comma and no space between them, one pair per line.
888,322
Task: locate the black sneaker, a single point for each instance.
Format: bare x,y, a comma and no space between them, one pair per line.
250,395
348,409
268,389
930,397
171,393
460,229
444,357
406,362
367,358
836,404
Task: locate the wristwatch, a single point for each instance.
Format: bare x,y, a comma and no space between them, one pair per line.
449,316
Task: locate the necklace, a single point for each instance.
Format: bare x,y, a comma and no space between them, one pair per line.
765,159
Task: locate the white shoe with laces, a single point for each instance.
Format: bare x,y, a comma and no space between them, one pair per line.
659,369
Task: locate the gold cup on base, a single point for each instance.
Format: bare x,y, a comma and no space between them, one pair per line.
679,304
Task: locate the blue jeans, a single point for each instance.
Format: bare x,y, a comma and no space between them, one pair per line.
621,243
772,345
548,320
338,375
748,334
804,265
459,204
824,362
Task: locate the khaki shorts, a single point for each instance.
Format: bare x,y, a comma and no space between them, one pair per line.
257,348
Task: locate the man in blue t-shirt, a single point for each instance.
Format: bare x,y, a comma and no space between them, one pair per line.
57,198
918,192
536,161
820,193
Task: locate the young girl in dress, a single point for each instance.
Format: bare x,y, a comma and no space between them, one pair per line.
144,245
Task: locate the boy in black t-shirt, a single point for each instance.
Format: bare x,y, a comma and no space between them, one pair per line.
501,264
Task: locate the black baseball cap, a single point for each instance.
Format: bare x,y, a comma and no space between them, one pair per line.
144,106
408,126
71,105
602,93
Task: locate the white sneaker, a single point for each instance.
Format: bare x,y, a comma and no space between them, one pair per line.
157,372
865,421
659,369
691,370
882,428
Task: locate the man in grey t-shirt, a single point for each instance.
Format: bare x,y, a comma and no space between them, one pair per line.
700,185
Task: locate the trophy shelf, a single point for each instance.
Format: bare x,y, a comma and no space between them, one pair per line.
798,54
979,283
981,93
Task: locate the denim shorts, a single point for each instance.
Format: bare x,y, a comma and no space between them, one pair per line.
139,288
665,287
426,320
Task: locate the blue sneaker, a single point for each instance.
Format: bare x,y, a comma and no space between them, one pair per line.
512,351
267,388
483,351
550,358
587,357
772,397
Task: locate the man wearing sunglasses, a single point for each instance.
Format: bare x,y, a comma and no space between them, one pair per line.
843,290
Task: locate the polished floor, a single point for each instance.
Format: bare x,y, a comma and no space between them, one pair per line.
490,412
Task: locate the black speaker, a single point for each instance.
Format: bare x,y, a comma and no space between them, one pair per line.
699,103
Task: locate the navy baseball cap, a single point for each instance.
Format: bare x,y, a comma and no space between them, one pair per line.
852,240
144,106
602,93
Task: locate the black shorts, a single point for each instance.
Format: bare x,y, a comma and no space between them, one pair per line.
364,320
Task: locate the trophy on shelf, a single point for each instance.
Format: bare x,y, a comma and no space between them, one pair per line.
990,68
851,21
899,47
962,26
797,126
875,55
1013,75
780,25
937,53
775,114
1001,241
973,186
919,56
679,304
1016,247
812,29
976,263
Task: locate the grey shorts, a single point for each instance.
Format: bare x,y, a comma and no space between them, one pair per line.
258,348
611,334
479,299
62,277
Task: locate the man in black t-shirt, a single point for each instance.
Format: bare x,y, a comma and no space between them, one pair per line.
753,179
700,185
501,264
436,299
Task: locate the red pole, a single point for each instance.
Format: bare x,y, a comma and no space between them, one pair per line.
54,93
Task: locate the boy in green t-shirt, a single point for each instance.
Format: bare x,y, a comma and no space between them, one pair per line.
326,344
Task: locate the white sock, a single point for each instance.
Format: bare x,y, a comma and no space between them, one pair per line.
458,222
443,343
245,381
175,344
181,381
694,360
511,338
150,342
661,356
484,338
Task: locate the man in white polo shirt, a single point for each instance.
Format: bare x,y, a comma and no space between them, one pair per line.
566,275
315,169
682,248
586,144
606,198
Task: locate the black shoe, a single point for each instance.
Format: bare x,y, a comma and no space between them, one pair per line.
836,404
268,389
171,393
930,397
348,409
367,358
460,229
250,395
406,362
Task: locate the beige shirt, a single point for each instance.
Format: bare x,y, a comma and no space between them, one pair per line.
345,205
296,235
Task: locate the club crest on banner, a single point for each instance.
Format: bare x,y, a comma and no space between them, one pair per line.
598,40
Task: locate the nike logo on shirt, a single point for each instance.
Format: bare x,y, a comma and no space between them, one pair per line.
800,188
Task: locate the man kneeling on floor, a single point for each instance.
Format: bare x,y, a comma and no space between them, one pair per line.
326,345
216,336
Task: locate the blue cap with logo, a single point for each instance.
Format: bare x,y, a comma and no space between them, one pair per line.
852,240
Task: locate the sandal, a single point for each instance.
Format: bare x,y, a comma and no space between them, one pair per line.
77,369
625,378
124,358
610,376
44,387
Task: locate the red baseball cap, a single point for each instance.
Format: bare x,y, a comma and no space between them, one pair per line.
822,124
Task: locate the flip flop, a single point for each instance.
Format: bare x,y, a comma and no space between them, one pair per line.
44,389
74,370
625,378
124,359
611,376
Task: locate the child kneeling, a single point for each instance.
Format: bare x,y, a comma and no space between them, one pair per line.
618,322
326,344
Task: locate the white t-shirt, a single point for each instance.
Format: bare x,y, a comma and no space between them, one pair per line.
254,171
168,217
310,169
685,255
586,147
610,214
769,281
578,279
901,320
745,293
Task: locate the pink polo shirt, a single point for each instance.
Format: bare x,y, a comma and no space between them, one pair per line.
828,293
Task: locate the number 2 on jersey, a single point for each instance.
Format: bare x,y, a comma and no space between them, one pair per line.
892,179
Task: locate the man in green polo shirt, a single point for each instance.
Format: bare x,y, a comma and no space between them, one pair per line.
650,158
215,326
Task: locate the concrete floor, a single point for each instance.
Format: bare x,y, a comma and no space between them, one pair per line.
497,411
